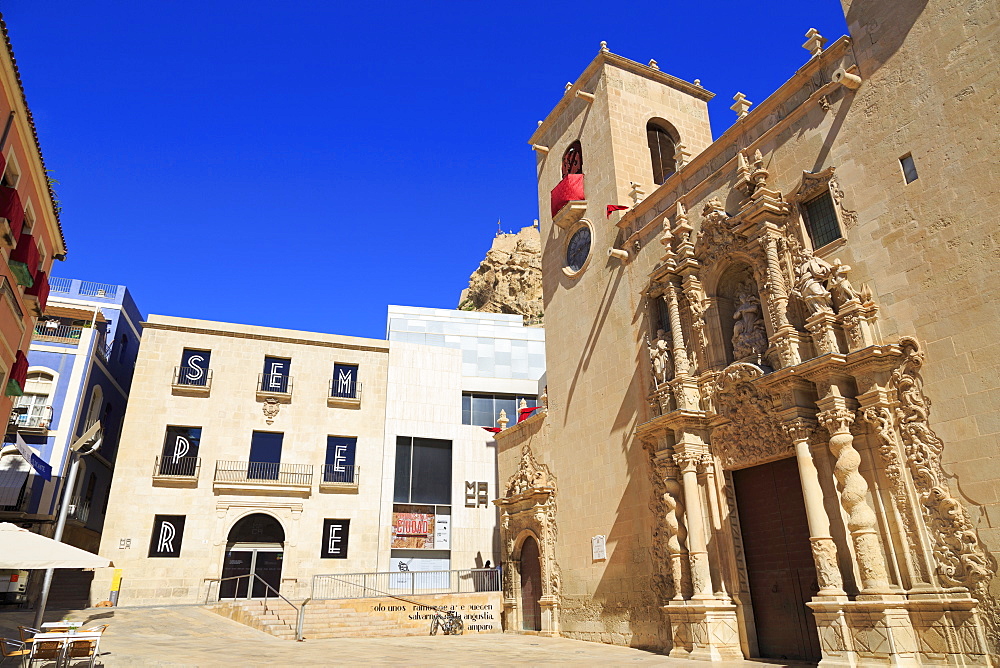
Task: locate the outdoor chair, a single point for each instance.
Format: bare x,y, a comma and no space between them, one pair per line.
82,649
45,650
13,648
27,633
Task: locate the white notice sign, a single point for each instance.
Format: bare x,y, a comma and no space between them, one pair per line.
599,547
442,532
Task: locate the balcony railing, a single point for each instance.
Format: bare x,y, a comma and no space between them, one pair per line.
79,510
271,384
349,396
61,284
58,333
254,474
177,467
351,392
192,379
38,419
340,476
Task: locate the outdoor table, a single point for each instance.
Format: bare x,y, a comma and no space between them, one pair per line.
59,625
65,637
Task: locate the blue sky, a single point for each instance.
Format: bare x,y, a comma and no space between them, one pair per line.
305,164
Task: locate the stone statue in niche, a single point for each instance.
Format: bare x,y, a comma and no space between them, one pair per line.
659,357
749,333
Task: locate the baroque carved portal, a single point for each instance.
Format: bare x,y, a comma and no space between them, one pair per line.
763,351
528,509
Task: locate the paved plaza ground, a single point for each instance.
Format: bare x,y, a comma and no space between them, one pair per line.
192,636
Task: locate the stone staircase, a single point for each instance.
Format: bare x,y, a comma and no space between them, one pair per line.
355,618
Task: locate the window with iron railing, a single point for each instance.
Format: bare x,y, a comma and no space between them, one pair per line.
194,369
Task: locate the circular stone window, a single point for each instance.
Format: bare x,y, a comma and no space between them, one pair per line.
578,250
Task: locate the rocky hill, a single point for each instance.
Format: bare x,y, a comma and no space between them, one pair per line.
509,279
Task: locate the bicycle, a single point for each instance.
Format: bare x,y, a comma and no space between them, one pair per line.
449,621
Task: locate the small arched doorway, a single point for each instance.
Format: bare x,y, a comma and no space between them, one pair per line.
255,545
531,586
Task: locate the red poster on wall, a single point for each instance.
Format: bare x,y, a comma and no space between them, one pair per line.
413,530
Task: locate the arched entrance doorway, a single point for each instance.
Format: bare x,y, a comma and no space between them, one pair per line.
531,586
255,545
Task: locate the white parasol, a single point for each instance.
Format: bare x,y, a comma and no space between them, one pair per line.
23,550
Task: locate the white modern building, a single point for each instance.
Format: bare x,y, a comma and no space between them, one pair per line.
294,454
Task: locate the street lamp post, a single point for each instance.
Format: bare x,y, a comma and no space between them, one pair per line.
87,444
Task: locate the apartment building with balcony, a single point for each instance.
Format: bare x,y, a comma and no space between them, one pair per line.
291,454
30,233
79,370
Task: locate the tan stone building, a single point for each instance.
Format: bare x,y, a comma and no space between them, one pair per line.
292,454
739,456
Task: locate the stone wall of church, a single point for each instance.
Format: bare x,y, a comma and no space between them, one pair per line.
927,250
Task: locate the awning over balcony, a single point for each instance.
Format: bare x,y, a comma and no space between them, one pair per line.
24,260
570,189
18,374
40,290
12,209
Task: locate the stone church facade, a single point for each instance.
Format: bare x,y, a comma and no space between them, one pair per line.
771,425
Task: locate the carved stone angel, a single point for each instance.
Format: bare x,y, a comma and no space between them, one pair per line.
659,357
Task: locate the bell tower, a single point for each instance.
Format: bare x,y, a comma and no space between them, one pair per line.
622,124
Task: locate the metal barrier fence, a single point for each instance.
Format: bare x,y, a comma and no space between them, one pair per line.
411,583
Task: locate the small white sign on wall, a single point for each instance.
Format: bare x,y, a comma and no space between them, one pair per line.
600,548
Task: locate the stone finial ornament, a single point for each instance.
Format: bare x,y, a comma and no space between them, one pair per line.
814,42
681,155
637,193
741,105
653,64
502,420
604,46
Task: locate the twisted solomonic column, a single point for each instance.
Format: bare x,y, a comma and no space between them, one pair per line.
824,550
861,520
682,366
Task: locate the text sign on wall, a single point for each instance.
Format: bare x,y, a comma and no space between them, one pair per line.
599,547
194,367
276,372
339,459
476,494
345,378
168,531
335,535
